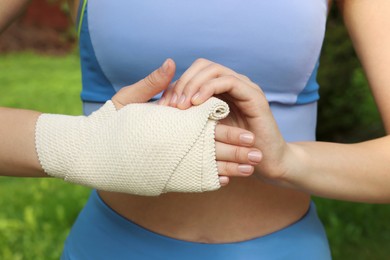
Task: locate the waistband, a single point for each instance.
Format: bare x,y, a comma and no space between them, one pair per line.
101,233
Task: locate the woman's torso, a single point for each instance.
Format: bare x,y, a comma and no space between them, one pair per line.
275,43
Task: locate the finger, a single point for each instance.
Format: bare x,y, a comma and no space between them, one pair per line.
233,135
223,180
230,84
204,75
237,154
245,97
167,95
145,89
234,169
195,67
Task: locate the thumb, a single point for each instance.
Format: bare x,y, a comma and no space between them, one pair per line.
146,88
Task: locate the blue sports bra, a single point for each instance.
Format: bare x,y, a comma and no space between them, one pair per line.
275,43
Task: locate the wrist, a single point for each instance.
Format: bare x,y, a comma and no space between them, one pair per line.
288,170
295,160
56,137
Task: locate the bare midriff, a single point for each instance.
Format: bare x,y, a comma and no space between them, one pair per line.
245,209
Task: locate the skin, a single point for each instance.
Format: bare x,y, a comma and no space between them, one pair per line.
278,193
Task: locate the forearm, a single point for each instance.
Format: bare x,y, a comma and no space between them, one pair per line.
368,24
356,172
10,10
18,155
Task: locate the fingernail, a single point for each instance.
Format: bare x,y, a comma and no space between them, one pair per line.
254,156
195,97
182,99
246,169
161,101
247,138
174,99
165,67
223,180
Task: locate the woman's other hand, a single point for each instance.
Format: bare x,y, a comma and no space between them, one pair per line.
248,105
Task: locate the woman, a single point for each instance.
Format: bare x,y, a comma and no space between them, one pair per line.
276,44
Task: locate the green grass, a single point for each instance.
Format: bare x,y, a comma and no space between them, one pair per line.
36,214
43,83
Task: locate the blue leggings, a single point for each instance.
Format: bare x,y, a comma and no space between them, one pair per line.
100,233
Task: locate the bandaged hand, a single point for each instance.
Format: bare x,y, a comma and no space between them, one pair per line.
142,149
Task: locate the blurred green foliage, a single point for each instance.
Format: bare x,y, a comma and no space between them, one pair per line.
347,112
356,231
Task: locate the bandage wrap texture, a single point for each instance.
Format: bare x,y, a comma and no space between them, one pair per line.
142,149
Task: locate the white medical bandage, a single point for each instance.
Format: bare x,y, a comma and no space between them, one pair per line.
142,149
